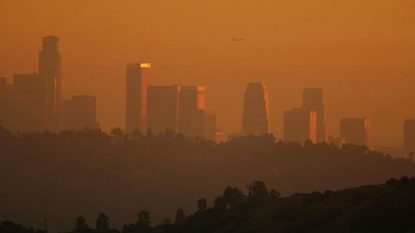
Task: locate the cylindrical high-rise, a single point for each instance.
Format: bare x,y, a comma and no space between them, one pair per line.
255,119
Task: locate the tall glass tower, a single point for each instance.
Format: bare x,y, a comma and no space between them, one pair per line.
255,118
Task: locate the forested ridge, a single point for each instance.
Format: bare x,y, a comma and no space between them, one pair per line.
84,173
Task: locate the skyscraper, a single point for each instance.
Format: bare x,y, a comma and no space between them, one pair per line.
50,70
80,113
163,108
192,98
203,124
138,78
355,130
255,118
28,103
300,125
314,99
409,135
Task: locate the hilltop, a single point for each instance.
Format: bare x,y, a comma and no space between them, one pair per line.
388,207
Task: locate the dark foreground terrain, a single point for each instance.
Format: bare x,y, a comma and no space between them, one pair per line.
388,207
85,173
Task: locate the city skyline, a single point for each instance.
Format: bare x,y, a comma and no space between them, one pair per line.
50,111
39,114
361,56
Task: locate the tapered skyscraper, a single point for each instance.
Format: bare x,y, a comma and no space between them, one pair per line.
256,109
50,71
138,78
314,99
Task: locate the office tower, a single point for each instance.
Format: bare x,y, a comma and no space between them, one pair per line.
6,104
138,78
355,130
256,109
203,124
209,126
28,103
163,108
80,113
314,99
300,125
409,135
192,99
50,68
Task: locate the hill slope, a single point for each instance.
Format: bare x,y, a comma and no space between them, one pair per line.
388,207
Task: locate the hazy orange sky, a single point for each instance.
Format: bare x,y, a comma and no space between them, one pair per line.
362,52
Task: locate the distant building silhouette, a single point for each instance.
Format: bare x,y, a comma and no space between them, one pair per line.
314,99
138,78
409,136
192,99
203,124
163,108
50,70
300,125
28,103
255,118
80,113
355,130
6,104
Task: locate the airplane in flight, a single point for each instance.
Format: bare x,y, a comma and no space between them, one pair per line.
238,39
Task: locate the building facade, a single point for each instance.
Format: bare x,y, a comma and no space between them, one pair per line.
80,113
6,104
192,99
138,78
163,108
300,125
314,99
409,135
29,108
255,119
355,130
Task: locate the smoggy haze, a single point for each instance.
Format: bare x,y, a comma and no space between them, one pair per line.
361,52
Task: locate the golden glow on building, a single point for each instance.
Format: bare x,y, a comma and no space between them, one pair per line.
145,65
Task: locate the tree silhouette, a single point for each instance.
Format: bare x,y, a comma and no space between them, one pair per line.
201,204
81,226
117,132
102,223
220,203
232,196
274,194
144,218
136,134
81,223
258,191
180,216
